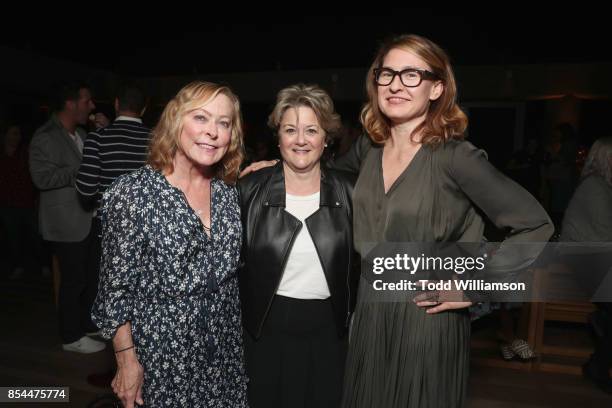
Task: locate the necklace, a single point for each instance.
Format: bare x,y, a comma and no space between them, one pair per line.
198,213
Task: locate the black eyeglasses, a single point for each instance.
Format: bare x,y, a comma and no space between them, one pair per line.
411,77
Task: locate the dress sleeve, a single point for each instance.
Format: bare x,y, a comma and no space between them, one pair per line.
120,267
507,205
352,159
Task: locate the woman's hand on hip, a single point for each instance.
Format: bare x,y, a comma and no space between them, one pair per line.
441,300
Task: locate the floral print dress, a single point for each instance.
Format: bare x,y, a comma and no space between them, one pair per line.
178,288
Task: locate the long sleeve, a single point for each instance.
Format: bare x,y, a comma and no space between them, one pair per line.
46,173
88,178
506,204
123,240
352,159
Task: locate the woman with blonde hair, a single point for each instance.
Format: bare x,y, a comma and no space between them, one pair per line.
168,294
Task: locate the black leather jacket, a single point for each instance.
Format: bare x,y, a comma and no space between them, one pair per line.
269,233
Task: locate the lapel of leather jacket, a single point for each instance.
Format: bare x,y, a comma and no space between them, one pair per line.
276,227
283,227
326,227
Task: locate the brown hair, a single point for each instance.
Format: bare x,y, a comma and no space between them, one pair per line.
164,143
444,120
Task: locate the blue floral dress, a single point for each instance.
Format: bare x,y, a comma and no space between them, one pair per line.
178,288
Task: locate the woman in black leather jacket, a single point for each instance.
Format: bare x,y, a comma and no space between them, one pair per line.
296,285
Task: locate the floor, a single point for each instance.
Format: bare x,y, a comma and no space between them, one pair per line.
30,355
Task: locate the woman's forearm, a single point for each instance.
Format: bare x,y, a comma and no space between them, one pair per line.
123,341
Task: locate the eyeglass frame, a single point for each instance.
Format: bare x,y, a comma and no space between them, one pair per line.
423,74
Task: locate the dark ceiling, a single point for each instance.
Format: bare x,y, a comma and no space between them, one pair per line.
502,33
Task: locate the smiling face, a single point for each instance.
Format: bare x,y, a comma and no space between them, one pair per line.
301,139
399,103
207,132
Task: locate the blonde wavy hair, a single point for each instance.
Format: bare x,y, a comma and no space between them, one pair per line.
165,136
444,120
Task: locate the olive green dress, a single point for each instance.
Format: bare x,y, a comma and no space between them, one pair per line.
399,356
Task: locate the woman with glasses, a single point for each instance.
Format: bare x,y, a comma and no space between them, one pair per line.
420,182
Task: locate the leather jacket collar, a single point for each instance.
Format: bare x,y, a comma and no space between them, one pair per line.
275,196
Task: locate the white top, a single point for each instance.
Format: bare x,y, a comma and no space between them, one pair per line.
303,277
132,119
77,140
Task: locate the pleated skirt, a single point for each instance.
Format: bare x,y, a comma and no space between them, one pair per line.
399,356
